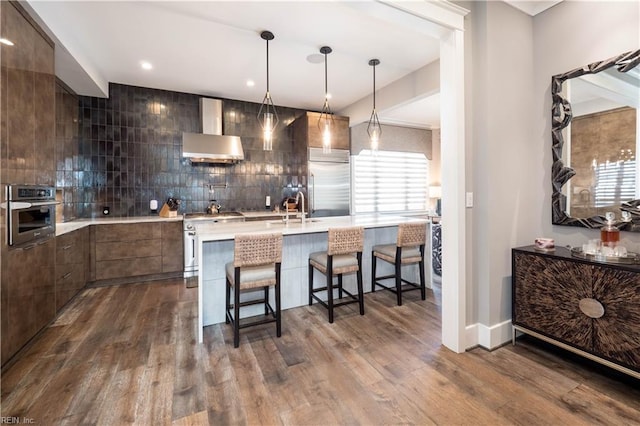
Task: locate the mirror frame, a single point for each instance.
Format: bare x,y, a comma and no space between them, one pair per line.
561,116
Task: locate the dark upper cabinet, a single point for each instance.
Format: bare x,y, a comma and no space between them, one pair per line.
307,132
28,94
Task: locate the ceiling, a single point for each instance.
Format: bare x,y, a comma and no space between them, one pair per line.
532,7
213,48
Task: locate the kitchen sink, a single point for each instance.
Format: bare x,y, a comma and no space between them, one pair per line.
205,216
291,221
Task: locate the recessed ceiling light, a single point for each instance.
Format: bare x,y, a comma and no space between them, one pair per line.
146,65
6,41
315,58
251,83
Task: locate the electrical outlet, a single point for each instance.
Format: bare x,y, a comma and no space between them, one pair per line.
469,199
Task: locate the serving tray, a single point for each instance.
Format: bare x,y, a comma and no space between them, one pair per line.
630,259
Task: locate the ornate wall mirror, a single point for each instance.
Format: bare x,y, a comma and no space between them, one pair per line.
596,138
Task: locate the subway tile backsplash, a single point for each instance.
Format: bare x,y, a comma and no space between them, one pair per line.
128,151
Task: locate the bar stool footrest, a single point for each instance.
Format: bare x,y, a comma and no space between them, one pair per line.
272,313
410,286
337,302
250,321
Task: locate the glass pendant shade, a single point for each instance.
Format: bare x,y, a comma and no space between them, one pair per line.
374,129
326,136
267,115
267,130
325,122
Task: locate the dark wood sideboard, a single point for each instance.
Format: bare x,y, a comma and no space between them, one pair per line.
587,307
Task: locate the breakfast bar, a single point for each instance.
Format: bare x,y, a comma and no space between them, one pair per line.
300,239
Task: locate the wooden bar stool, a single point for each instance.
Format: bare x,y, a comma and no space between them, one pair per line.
409,249
343,256
256,265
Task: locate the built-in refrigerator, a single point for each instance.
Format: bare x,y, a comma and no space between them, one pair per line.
329,183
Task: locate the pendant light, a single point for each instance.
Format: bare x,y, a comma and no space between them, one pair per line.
325,122
374,129
267,115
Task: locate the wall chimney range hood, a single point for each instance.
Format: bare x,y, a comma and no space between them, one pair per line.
211,146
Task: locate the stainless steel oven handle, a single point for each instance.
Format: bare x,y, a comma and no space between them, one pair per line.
18,205
45,203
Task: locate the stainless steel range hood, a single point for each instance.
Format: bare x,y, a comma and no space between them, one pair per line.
211,146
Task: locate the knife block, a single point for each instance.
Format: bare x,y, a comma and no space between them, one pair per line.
165,211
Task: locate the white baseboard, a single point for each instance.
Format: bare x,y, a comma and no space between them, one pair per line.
488,337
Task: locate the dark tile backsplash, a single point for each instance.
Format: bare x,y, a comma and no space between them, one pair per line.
128,151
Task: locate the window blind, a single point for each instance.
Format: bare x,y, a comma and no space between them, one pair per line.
389,181
615,182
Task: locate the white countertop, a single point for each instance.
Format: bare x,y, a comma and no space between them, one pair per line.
229,230
65,227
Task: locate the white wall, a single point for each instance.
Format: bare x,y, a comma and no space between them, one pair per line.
567,36
510,58
505,159
418,84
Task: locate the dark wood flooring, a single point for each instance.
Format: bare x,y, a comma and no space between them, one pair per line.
128,355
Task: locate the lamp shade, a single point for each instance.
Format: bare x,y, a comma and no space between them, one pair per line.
435,192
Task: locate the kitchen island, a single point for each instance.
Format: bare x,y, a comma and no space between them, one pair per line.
300,239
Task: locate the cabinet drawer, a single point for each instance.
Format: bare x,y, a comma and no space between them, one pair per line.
128,232
69,250
70,277
128,249
121,268
70,280
173,261
172,247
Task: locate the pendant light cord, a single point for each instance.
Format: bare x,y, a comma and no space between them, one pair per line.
374,87
326,85
267,66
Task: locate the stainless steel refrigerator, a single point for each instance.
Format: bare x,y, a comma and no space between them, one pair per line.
329,183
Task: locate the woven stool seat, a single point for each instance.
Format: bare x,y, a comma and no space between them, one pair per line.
343,256
252,276
408,250
342,263
388,252
256,265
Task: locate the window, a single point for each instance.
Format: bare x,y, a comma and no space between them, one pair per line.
615,182
389,181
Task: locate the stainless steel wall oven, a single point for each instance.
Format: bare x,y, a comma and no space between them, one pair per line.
31,213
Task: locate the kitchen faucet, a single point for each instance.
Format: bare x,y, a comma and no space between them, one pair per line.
301,195
285,204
